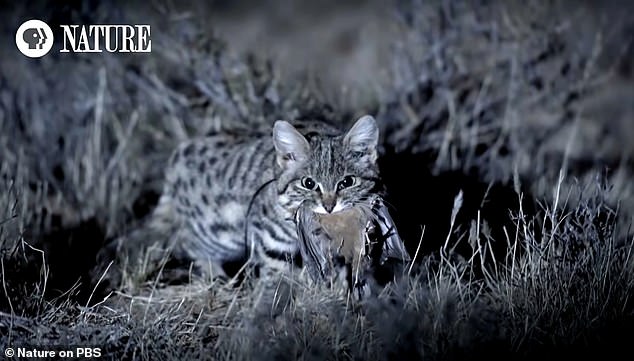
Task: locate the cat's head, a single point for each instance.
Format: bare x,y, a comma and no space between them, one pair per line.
327,174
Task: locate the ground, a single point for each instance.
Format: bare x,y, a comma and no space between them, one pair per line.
505,149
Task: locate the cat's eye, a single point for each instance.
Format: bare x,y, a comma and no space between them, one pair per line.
308,183
347,181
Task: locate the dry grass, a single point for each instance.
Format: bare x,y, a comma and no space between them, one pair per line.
522,241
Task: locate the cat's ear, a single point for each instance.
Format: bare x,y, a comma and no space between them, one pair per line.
363,137
290,145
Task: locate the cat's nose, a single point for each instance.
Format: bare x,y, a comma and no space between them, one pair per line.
329,204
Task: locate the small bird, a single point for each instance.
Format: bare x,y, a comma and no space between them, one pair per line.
348,244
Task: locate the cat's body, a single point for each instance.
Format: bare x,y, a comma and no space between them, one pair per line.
235,197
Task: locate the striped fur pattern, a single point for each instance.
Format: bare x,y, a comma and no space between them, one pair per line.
235,196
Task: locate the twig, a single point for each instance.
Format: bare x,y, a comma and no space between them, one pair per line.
420,242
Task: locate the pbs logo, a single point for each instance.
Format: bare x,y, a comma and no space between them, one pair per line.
34,38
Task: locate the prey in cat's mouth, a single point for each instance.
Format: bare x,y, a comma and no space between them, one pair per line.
349,244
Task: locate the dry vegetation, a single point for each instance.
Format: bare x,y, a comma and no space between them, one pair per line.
526,109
